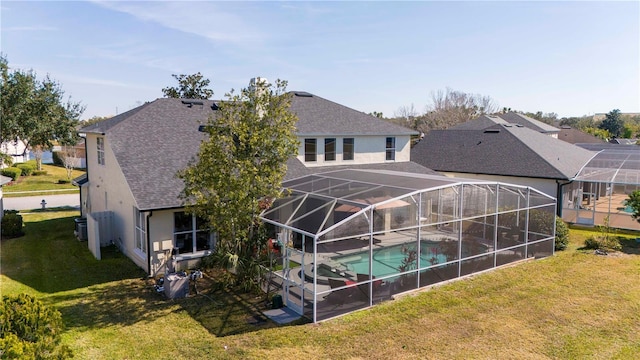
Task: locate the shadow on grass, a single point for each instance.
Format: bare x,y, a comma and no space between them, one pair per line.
49,259
222,312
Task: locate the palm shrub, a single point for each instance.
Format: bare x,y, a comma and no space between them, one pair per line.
30,330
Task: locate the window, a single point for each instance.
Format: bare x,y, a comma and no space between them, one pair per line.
347,149
190,234
141,231
101,151
310,149
391,148
329,149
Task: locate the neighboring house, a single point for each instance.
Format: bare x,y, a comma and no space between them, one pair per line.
16,149
503,152
575,136
76,154
485,121
130,195
3,181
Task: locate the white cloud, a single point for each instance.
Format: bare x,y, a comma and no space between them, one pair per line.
205,19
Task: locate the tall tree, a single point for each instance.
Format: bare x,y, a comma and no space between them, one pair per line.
189,87
613,123
450,107
35,111
240,168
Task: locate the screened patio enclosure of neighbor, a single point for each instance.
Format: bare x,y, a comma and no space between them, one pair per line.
601,188
352,238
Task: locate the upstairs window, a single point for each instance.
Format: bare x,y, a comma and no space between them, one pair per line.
329,149
347,149
310,150
100,146
391,148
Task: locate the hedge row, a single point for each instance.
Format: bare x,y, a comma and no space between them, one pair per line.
12,172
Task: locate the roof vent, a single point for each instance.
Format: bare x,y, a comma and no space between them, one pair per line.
190,103
492,131
302,94
215,106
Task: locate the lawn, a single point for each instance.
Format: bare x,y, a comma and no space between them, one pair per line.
42,184
572,305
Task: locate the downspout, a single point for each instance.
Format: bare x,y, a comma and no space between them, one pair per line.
149,246
559,193
86,165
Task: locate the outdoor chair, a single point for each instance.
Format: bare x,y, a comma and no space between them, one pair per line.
339,297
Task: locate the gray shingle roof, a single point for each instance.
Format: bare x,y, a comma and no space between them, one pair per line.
4,180
575,136
152,142
485,121
318,116
500,150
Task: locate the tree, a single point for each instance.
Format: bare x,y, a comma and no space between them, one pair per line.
69,156
377,114
94,120
240,168
35,111
189,87
30,330
450,107
613,123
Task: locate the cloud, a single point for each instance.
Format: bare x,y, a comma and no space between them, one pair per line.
205,19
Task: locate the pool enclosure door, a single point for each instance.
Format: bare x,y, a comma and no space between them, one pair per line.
293,285
586,210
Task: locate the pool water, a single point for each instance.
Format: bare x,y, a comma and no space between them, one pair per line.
388,260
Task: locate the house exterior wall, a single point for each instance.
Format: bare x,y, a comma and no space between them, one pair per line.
547,186
107,190
17,151
367,150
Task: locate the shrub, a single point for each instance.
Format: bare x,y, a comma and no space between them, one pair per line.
63,181
12,172
30,330
57,159
39,172
11,224
562,234
26,168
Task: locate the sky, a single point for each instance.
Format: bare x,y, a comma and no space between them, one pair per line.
572,58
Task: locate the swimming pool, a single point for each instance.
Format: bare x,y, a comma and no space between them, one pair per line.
388,260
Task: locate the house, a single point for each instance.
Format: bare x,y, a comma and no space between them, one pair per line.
75,154
575,136
503,152
16,149
485,121
130,194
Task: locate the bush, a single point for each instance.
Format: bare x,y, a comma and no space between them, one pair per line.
562,234
12,172
30,330
39,172
11,224
63,181
26,168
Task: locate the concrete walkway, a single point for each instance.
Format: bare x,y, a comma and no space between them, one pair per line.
35,202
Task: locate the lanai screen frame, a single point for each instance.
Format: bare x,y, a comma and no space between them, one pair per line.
531,243
598,191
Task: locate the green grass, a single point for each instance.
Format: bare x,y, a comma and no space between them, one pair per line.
569,306
42,184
